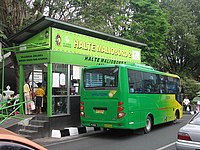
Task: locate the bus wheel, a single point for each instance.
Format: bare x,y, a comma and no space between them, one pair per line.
148,126
176,117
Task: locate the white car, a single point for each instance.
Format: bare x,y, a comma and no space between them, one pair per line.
189,135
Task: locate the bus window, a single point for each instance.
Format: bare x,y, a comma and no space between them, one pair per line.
171,85
150,83
101,78
162,86
134,81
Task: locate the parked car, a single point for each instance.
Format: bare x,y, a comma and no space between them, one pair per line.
189,135
12,141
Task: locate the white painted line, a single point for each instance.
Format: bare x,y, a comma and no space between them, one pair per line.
56,143
166,146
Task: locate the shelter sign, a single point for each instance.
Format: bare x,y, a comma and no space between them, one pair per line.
70,42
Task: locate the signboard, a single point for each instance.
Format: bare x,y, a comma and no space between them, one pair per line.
33,57
93,48
77,59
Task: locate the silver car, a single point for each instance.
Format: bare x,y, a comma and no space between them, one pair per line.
189,135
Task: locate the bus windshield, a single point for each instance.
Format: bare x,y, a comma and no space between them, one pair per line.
101,78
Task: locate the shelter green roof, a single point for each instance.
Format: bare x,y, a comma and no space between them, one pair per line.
45,22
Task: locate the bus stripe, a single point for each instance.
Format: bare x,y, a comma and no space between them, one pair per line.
162,108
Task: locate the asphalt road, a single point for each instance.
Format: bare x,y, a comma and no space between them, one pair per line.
162,137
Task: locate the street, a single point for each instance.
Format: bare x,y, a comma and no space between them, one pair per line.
162,137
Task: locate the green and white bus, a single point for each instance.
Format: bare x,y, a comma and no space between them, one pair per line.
128,97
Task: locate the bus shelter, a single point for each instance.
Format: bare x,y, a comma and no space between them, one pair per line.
52,53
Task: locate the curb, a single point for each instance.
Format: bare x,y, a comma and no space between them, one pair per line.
70,131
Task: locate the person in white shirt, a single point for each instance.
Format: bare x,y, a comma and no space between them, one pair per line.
186,103
27,96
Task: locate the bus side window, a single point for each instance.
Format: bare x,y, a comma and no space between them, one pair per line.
135,81
131,81
150,83
162,86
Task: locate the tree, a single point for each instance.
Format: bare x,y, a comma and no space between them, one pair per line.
190,87
104,16
13,13
146,23
182,46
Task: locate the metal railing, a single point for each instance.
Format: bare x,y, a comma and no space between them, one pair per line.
10,109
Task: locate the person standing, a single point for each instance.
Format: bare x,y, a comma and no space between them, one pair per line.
186,102
39,93
27,96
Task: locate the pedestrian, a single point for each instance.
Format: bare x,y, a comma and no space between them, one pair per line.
39,93
27,97
186,103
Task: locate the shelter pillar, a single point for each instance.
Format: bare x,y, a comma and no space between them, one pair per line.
21,83
49,90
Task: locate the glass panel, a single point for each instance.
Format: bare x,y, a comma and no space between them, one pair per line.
162,85
75,80
150,83
135,81
59,89
59,104
59,81
171,85
103,78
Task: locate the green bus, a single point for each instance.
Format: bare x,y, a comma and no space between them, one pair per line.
128,97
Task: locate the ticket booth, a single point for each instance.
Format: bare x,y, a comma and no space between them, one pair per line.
53,52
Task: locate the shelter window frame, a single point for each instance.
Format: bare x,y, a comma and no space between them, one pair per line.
60,96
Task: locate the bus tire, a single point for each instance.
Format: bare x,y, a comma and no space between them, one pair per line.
176,117
148,126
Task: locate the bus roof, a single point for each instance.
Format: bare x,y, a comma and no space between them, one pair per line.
135,66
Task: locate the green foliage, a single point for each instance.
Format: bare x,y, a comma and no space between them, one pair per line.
2,35
190,87
182,43
147,24
104,16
